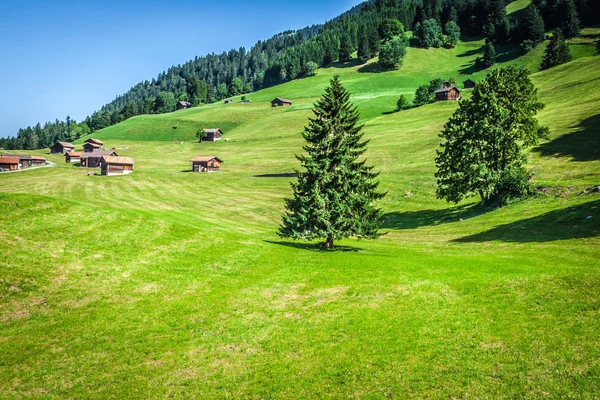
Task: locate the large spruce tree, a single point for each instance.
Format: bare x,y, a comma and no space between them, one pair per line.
334,197
557,51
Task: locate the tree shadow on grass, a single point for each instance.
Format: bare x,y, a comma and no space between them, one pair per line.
568,223
417,219
507,52
348,64
470,53
581,145
374,68
281,175
315,247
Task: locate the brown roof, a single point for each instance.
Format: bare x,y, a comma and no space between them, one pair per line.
447,89
74,154
38,158
282,100
212,130
98,154
65,144
93,144
19,156
9,160
205,159
118,160
97,141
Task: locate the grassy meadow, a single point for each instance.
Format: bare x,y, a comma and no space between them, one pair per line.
167,283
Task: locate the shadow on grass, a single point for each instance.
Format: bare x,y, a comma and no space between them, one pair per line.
507,53
315,247
417,219
349,64
581,145
374,68
568,223
470,53
282,175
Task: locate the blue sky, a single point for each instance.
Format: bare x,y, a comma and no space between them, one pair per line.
60,57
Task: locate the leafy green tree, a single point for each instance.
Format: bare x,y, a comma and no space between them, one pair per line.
334,195
532,25
452,34
422,95
390,28
200,134
392,53
428,34
557,51
569,20
236,87
483,142
403,103
165,102
311,68
489,54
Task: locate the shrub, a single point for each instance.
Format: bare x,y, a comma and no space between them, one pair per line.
514,183
403,103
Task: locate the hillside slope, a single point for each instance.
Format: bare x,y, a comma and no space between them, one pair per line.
170,283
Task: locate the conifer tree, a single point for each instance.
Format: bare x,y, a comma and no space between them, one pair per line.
532,26
334,196
557,51
489,54
364,50
569,20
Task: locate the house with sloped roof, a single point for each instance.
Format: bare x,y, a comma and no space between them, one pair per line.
447,93
61,148
206,164
9,163
94,159
211,135
280,102
114,165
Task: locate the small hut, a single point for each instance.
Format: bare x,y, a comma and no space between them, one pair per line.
279,102
61,148
90,147
182,105
9,163
228,101
206,164
469,84
94,159
97,141
36,161
113,165
73,157
210,135
24,159
449,93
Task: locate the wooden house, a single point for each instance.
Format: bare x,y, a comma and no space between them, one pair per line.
182,105
73,157
279,102
61,148
228,101
113,165
469,84
94,159
37,161
450,93
206,164
212,134
91,147
97,141
25,160
9,163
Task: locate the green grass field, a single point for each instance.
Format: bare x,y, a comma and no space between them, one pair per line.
167,283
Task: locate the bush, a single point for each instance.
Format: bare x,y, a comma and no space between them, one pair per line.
403,103
311,68
514,184
526,46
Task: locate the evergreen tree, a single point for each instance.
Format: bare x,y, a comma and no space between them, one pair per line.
364,50
569,19
403,103
236,87
483,142
532,25
334,196
557,51
489,54
346,49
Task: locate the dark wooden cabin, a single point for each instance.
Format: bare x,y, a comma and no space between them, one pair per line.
469,84
182,105
206,164
73,157
97,141
91,147
24,159
9,163
279,102
94,159
450,93
212,134
113,165
37,161
61,148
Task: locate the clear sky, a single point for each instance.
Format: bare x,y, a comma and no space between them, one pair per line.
70,57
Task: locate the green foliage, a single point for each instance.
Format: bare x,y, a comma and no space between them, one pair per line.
569,20
486,137
196,90
489,54
364,50
390,28
200,134
514,184
346,48
236,87
532,26
428,34
311,68
392,52
526,46
403,103
422,96
333,197
598,46
452,37
557,51
165,102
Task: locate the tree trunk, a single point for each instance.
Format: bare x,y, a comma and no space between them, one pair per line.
483,199
328,243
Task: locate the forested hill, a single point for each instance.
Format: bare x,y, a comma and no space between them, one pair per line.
361,32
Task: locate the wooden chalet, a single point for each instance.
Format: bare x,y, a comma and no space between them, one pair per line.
73,157
212,135
182,105
114,165
9,163
94,159
61,148
449,93
37,161
206,164
91,147
469,84
24,159
279,102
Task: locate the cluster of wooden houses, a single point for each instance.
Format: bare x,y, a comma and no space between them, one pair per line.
94,156
15,162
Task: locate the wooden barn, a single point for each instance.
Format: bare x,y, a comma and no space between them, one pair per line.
279,102
94,159
24,159
212,134
182,105
97,141
469,84
61,148
73,157
91,147
37,161
113,165
449,93
9,163
206,164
